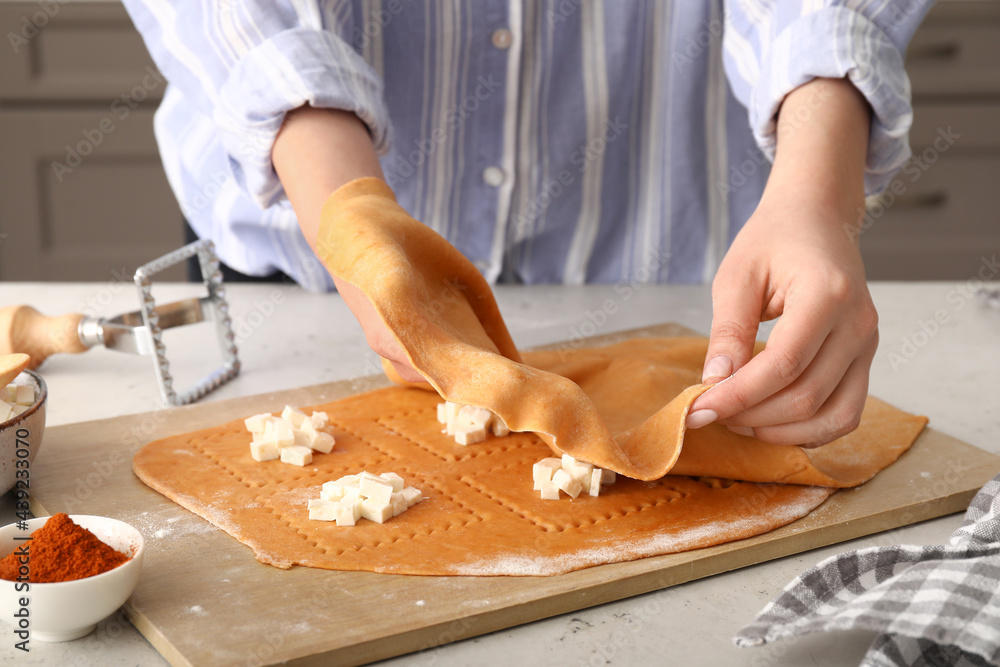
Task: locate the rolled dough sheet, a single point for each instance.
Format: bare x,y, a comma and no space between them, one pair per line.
444,317
481,516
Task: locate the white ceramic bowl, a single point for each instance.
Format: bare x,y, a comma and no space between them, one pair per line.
58,612
21,436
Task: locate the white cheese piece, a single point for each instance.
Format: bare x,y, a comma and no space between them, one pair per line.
595,482
333,493
352,492
319,419
451,411
25,395
473,416
9,393
565,482
469,435
395,480
5,411
264,451
549,491
442,413
376,511
376,489
581,472
16,410
323,510
346,515
500,427
398,503
281,432
257,423
342,482
296,455
324,443
412,496
294,415
310,431
542,471
568,462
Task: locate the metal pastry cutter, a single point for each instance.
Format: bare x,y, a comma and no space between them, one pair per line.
141,332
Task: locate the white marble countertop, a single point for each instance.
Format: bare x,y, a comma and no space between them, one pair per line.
289,338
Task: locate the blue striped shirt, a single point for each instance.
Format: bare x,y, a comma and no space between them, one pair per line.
550,141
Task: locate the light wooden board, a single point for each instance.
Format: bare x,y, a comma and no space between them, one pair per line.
203,599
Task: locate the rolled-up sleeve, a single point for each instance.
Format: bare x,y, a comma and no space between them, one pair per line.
771,48
247,64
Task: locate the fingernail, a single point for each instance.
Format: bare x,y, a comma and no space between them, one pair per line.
717,368
741,430
701,418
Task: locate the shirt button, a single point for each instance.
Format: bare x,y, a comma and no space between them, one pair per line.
493,176
502,38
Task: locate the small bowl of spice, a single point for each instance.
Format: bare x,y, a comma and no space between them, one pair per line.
61,575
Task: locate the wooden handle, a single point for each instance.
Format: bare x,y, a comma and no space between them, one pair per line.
25,330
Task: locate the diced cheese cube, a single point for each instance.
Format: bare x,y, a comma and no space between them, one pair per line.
346,516
549,491
412,496
301,438
264,451
376,511
323,510
319,419
398,504
343,481
257,423
296,455
568,462
309,429
608,476
16,410
442,413
500,427
280,432
472,416
376,489
567,483
5,411
451,416
595,482
333,493
542,471
9,393
25,395
324,443
294,415
396,480
469,435
355,505
352,492
581,472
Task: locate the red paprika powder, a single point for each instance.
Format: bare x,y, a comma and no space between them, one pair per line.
62,551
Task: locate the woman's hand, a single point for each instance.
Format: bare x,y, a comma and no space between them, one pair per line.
316,152
797,257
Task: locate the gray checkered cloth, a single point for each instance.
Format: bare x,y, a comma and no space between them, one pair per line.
934,605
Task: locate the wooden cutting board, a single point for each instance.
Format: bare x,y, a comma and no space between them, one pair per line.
203,599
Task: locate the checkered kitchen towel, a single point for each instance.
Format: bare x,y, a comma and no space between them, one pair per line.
934,605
